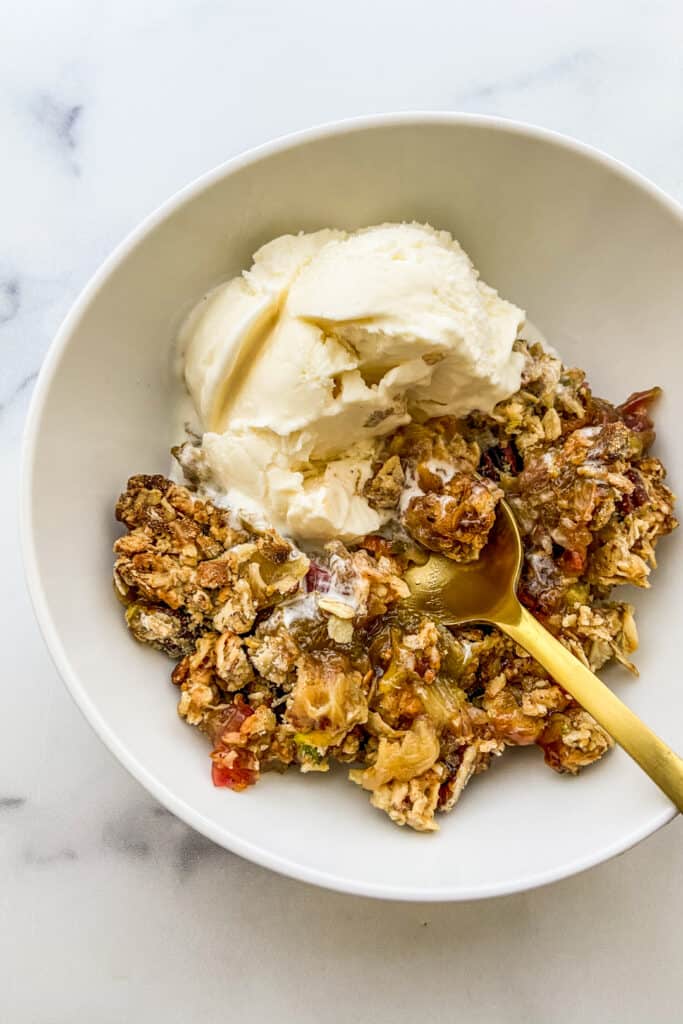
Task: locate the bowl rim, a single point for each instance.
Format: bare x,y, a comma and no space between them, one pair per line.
78,690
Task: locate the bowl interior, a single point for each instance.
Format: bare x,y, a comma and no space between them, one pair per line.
591,252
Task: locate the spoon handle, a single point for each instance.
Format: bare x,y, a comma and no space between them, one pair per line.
656,759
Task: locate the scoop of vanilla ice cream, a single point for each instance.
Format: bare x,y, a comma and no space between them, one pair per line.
229,328
257,472
400,293
330,341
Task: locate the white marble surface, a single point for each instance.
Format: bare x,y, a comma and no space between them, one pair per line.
110,909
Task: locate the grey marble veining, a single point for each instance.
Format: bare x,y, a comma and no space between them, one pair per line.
10,298
110,908
11,803
60,123
573,67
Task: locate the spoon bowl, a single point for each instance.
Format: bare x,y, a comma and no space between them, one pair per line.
478,591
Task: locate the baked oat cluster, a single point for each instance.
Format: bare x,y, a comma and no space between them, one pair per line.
286,659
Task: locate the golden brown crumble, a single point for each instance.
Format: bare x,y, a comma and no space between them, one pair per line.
454,518
187,557
284,660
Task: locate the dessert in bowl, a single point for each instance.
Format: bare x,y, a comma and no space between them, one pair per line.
407,481
362,400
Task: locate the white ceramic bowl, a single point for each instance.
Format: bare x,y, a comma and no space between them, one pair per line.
591,250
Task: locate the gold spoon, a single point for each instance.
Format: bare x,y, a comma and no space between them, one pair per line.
485,591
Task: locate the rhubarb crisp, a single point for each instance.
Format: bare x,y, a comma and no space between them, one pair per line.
292,658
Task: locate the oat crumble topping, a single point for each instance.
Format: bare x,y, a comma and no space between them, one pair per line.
285,659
